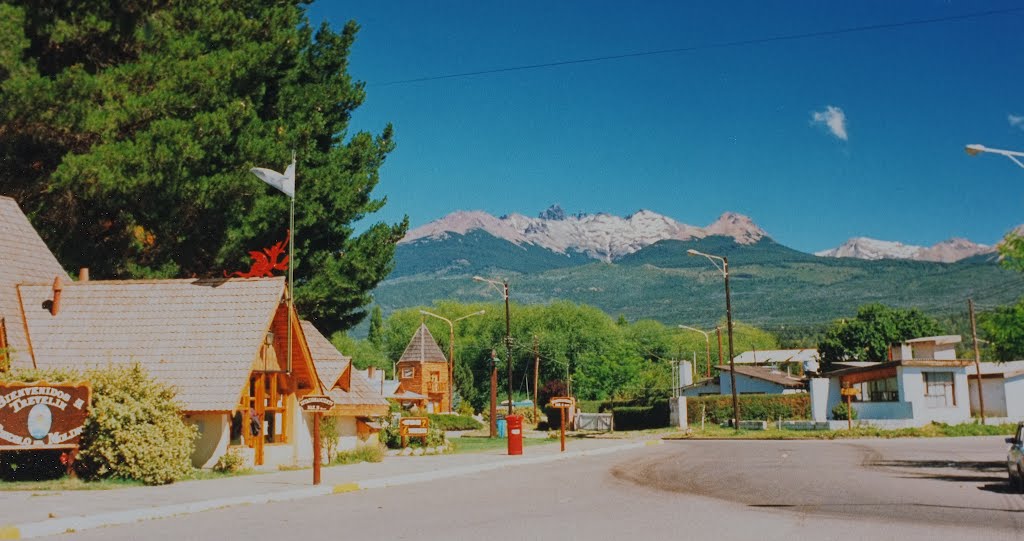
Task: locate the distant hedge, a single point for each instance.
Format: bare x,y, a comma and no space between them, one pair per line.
453,422
766,407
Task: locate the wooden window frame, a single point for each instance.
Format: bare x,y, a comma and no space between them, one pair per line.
951,384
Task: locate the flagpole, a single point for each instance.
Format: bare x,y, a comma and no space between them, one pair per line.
291,271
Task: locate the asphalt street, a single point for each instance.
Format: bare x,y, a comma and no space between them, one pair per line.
924,489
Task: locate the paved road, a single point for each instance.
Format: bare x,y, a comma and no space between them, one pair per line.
954,481
905,490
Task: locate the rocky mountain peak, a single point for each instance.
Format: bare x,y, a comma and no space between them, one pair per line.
554,213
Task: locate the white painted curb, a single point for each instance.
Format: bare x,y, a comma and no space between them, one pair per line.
73,524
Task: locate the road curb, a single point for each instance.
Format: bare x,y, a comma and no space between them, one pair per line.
73,524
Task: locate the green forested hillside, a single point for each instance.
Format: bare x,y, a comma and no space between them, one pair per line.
772,286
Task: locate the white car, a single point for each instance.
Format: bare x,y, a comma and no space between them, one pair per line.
1015,459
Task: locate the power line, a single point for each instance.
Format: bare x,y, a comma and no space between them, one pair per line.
708,46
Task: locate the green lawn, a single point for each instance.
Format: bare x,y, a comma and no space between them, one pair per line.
479,445
934,430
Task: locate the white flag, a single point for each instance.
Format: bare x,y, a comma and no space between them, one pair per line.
285,182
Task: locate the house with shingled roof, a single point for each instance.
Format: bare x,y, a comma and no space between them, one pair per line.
356,399
221,343
423,374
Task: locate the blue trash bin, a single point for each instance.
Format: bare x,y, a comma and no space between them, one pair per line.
502,428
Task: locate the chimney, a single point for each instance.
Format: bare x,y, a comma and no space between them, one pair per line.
83,274
370,372
58,287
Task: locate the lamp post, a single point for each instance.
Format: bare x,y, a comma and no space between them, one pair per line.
976,149
502,288
451,349
714,259
707,348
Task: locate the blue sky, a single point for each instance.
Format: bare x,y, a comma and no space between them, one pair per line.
816,139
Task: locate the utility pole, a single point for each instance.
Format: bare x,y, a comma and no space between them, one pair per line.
494,394
536,376
718,330
508,347
977,359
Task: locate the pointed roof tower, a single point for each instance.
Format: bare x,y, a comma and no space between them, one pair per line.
423,348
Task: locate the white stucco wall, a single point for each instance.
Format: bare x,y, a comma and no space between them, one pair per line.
348,438
819,389
995,397
212,441
1014,388
912,389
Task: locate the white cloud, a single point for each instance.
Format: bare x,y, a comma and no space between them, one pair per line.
1016,121
834,118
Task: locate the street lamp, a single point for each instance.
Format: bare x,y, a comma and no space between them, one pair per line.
724,269
451,349
975,149
707,343
502,288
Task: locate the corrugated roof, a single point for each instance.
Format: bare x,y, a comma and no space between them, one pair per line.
776,356
199,335
767,374
24,258
331,364
423,348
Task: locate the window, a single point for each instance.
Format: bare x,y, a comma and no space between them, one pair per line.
408,372
938,390
880,390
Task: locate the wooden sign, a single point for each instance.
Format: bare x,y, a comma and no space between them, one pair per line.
849,391
413,427
42,415
316,403
561,402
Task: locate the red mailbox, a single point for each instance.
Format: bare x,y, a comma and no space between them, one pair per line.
515,434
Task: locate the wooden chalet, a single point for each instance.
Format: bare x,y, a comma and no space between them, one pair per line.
423,374
222,343
356,400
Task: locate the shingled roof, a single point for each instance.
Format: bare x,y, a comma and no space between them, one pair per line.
767,374
361,398
199,335
423,348
24,258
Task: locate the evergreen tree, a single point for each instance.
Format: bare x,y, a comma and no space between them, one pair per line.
376,333
127,130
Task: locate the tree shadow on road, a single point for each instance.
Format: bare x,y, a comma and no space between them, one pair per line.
992,473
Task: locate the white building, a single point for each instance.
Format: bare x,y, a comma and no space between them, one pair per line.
1003,388
923,383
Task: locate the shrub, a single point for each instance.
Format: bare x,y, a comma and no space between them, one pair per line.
841,413
135,429
752,407
363,453
634,418
527,414
230,462
329,435
453,422
391,438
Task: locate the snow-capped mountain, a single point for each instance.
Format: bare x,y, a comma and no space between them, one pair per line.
947,251
601,236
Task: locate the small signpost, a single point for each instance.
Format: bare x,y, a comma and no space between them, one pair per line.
849,393
316,404
41,415
562,403
413,427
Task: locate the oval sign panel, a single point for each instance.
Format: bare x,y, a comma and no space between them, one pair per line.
39,421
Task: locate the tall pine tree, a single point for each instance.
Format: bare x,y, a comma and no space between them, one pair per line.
127,130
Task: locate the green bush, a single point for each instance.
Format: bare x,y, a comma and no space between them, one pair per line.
363,453
765,407
135,429
527,414
391,438
230,462
589,406
841,413
453,422
633,417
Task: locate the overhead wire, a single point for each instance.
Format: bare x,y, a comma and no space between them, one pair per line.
707,46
